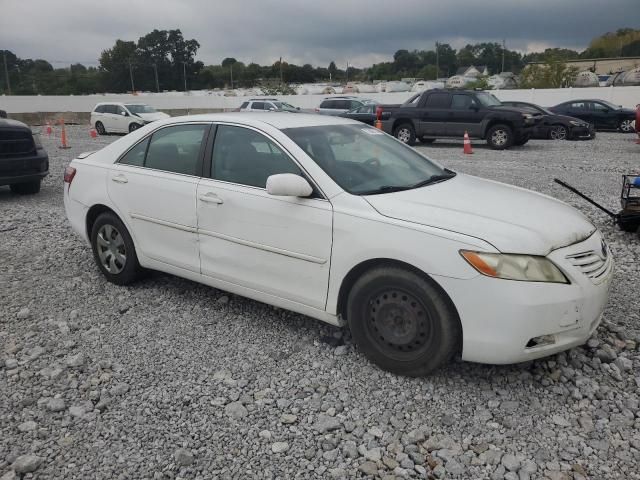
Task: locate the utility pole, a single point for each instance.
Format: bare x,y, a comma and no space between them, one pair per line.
437,61
184,71
6,73
155,70
133,88
347,72
280,70
231,73
504,42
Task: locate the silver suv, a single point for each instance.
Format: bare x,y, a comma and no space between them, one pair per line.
267,105
338,105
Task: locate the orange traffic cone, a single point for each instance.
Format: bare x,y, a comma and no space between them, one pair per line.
63,136
93,133
467,144
378,124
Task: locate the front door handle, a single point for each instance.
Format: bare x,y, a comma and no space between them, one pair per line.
119,179
211,198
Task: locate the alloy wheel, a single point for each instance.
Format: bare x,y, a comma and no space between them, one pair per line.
111,249
499,137
558,133
404,135
626,126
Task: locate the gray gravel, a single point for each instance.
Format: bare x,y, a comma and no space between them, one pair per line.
170,379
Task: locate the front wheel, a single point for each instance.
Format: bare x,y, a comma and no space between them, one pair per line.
558,132
626,126
405,133
113,250
402,322
500,137
27,188
100,128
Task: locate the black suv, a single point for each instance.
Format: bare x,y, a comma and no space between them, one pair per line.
23,161
443,113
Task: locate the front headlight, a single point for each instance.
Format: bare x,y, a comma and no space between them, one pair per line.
577,124
508,266
36,140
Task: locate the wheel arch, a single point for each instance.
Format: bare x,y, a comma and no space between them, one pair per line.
358,270
401,121
497,121
93,213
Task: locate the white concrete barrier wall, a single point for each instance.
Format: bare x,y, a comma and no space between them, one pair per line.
625,96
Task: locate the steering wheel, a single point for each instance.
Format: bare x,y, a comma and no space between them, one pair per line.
373,162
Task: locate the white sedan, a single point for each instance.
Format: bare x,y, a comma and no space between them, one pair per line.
338,221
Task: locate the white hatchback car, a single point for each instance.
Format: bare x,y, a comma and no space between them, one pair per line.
113,117
338,221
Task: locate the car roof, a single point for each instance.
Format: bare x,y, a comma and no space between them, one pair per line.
278,120
263,99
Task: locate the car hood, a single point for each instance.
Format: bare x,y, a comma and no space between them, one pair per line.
152,117
13,124
509,108
512,219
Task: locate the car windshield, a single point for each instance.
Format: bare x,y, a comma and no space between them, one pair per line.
140,108
284,106
366,161
487,99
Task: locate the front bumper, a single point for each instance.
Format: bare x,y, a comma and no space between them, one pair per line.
501,318
582,133
24,169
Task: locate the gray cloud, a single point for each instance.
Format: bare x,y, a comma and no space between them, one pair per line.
302,31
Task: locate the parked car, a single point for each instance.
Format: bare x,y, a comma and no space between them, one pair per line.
23,160
444,113
3,114
113,117
363,113
267,105
341,104
557,127
338,221
602,114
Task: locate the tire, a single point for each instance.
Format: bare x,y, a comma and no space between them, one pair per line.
558,132
133,127
402,322
109,237
626,126
427,140
27,188
100,128
405,133
500,137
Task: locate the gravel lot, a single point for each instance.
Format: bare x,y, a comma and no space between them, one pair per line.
171,379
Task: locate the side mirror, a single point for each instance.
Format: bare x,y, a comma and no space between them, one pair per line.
124,114
297,108
271,109
288,185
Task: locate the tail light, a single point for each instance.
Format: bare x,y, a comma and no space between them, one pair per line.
69,173
317,110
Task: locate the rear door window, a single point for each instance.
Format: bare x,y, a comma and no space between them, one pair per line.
438,100
257,106
578,106
461,102
176,149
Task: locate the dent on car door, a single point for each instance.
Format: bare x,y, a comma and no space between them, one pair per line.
154,186
275,245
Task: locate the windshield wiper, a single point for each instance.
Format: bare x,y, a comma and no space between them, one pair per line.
398,188
434,179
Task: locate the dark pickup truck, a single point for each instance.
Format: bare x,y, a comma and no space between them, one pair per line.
23,161
443,113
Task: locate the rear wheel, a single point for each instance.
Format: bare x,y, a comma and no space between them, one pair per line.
113,250
27,188
405,133
402,322
133,127
100,128
500,137
558,132
626,126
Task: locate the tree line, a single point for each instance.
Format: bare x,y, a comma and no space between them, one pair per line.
165,60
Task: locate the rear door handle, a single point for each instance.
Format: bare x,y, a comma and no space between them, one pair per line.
211,198
119,179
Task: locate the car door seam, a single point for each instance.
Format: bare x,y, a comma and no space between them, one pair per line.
164,223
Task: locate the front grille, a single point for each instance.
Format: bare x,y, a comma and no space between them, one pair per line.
16,143
591,263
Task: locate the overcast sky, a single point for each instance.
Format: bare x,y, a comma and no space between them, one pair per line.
304,31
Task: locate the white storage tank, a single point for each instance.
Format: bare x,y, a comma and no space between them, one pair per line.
586,79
